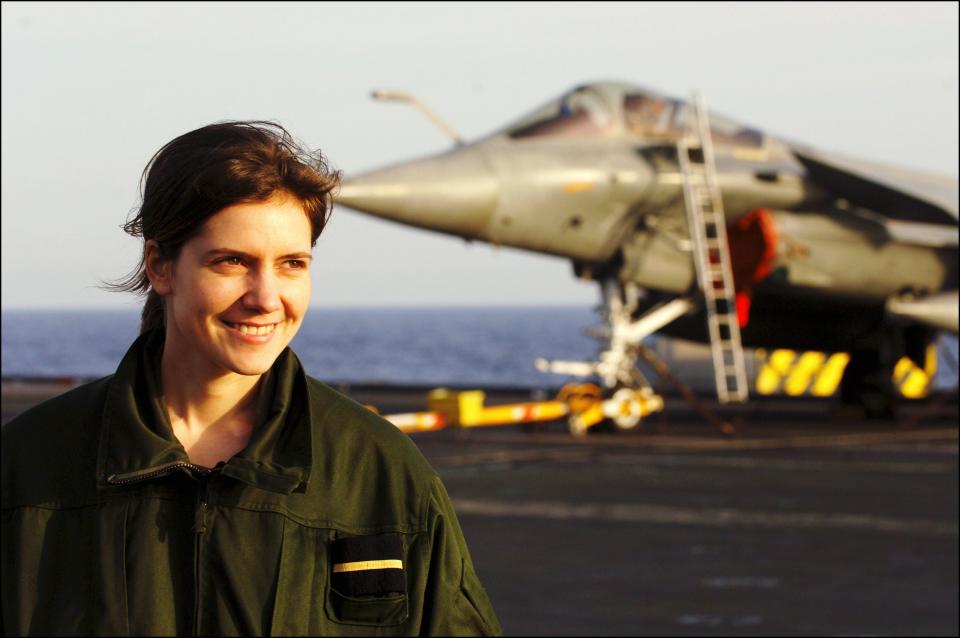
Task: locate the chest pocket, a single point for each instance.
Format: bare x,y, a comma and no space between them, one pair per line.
367,581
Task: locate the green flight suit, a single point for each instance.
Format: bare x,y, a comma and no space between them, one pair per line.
109,530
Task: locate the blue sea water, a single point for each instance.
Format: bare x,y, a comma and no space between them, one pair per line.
486,347
409,346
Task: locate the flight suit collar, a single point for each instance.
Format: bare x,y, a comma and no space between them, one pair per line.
137,442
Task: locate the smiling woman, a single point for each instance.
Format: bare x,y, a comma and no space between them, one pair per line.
236,284
210,170
223,490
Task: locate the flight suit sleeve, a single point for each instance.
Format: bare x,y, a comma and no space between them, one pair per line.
455,603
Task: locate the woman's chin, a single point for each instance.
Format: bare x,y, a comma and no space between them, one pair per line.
251,364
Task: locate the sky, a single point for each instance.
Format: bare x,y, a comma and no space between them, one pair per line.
91,90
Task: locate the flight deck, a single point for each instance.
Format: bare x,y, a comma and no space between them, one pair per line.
809,520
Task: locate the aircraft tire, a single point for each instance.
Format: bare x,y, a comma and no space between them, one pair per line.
630,419
868,383
621,423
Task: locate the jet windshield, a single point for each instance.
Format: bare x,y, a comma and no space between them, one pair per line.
649,115
595,110
581,112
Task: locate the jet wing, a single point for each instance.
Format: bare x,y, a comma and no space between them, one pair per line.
895,193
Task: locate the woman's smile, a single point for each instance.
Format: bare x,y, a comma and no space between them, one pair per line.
255,333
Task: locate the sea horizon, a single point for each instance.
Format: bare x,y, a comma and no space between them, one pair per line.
427,345
419,345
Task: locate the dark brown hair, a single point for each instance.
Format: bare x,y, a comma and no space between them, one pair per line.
204,171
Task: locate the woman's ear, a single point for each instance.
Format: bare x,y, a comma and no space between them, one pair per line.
159,270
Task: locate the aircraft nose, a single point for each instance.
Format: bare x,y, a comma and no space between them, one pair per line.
455,192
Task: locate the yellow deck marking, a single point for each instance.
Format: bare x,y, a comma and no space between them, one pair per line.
808,366
814,373
903,368
915,385
364,565
930,366
777,367
829,378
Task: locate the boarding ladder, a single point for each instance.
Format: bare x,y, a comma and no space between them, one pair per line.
708,233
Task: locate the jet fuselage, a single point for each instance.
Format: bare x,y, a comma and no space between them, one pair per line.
593,177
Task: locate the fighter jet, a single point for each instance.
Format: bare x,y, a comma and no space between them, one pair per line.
699,227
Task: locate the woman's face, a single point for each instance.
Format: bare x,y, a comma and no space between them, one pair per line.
237,294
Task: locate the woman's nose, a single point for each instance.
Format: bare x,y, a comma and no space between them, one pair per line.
264,293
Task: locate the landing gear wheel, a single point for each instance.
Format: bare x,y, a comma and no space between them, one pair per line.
867,383
577,425
631,412
583,400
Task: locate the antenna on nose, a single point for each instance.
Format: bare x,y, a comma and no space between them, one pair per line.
386,95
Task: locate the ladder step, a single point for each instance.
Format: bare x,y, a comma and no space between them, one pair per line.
717,292
707,230
724,317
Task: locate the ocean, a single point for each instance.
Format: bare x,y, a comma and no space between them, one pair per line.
460,347
490,347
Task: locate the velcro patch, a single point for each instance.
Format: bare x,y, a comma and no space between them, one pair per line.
368,565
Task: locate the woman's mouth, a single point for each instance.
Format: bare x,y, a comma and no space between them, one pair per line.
252,329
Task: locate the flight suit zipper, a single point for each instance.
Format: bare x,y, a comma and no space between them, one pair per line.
155,472
200,517
200,513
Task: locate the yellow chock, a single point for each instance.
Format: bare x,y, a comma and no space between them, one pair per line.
584,402
459,409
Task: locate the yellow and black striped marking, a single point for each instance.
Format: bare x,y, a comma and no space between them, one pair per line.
818,374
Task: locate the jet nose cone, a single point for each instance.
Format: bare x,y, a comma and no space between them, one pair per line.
454,193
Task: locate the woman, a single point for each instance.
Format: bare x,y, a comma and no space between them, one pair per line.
209,486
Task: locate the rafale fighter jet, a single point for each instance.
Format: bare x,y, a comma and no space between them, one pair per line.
698,227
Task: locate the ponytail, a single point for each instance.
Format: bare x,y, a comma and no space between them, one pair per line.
152,316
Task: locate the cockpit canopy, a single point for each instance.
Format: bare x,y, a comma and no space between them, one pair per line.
608,109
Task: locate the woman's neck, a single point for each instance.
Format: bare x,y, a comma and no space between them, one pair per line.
212,415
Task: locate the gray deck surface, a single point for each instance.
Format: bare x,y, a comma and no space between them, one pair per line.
805,523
